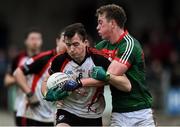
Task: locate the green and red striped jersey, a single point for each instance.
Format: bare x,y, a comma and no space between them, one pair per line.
128,51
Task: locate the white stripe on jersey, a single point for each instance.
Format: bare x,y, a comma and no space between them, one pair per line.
129,48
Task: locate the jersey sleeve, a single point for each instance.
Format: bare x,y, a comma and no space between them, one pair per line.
34,65
125,53
99,58
57,63
12,66
15,63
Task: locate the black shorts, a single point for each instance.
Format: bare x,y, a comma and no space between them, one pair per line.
22,121
63,116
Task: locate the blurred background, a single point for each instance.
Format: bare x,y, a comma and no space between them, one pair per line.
155,23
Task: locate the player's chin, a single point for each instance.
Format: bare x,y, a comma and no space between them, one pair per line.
73,55
101,36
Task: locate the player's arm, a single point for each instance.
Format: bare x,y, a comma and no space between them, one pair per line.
22,83
114,75
117,68
21,80
54,93
9,80
120,65
31,66
44,85
91,82
120,82
117,76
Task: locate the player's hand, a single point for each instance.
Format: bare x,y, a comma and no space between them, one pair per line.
72,85
32,99
55,94
100,74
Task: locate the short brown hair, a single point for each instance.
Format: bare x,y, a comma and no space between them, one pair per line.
113,11
72,29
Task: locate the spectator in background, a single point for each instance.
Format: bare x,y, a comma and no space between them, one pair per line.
174,68
160,45
33,43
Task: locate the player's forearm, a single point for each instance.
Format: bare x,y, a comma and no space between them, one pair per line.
44,87
21,80
117,68
120,82
91,82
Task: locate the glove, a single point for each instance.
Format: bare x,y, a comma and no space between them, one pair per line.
32,99
100,74
72,85
55,94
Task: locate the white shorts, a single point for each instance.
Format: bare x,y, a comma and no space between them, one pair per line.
142,117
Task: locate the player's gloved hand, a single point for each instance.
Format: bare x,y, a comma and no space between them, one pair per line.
100,74
72,85
55,94
32,99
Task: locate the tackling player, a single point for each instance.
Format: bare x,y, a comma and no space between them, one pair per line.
126,54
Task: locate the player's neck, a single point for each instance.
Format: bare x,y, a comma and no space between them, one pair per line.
116,33
60,50
32,52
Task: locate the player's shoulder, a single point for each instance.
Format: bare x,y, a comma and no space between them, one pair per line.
96,53
101,44
44,54
60,57
132,41
21,54
129,43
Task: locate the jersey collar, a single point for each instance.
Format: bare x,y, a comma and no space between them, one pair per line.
122,36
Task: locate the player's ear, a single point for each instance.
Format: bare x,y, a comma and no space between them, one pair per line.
57,40
113,23
86,42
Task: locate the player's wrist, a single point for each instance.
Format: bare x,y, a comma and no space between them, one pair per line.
107,76
78,80
30,94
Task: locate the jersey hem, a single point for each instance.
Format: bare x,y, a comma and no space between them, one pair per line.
130,109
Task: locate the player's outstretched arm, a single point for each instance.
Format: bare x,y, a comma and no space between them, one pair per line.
92,82
120,82
72,85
